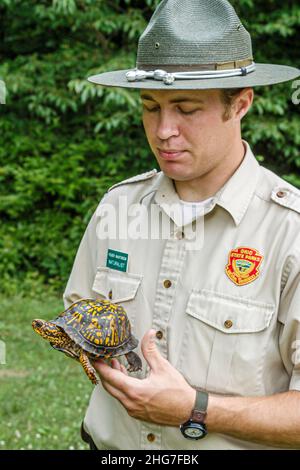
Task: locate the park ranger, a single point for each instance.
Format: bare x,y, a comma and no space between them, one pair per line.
216,302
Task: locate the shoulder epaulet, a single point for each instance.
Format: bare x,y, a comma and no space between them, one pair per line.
135,179
287,196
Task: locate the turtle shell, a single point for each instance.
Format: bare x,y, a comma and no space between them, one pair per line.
98,326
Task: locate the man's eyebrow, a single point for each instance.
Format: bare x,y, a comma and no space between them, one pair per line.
179,99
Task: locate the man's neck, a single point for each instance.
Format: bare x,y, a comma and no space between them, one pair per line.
207,185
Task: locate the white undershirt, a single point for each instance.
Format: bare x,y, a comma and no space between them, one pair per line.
191,210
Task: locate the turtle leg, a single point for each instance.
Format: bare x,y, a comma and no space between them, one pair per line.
88,368
134,362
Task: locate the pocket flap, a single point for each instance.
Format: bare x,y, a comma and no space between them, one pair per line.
116,286
229,314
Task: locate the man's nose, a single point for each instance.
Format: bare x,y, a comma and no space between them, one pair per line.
167,126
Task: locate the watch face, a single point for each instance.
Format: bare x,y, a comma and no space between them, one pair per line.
193,433
192,430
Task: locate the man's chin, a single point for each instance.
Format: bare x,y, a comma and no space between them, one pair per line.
172,169
177,175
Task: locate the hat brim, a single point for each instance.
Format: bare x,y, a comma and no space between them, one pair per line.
264,74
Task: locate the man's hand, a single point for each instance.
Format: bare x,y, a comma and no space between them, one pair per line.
164,397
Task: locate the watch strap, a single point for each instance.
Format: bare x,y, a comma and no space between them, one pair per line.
200,408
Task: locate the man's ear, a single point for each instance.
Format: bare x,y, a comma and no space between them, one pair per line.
243,103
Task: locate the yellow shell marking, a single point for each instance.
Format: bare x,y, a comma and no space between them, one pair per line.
77,317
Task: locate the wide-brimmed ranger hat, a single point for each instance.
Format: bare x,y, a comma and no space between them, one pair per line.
195,44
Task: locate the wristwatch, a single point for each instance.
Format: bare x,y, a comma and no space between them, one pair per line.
195,428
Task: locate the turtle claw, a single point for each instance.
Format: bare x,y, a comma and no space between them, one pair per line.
93,376
88,368
133,369
134,362
94,380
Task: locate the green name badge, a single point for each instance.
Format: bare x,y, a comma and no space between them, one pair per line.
117,260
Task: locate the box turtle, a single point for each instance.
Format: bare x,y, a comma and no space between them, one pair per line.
91,329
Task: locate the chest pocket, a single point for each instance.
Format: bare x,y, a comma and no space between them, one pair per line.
225,342
115,285
118,287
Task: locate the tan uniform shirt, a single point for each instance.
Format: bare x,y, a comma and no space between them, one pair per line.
229,316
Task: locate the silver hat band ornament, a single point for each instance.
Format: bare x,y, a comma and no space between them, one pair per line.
169,78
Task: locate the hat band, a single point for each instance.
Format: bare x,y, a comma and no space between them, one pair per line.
234,64
169,78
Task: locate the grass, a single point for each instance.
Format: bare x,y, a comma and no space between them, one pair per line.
43,393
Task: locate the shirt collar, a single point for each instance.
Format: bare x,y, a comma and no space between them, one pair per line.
237,192
234,196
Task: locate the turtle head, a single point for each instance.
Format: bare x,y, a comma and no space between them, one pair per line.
47,330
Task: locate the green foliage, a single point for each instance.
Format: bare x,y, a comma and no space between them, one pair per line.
65,141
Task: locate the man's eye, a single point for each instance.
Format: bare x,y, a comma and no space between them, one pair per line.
188,112
182,111
150,110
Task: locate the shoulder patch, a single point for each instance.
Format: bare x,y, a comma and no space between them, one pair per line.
135,179
287,196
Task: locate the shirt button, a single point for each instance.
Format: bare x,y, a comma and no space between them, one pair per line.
179,235
151,437
167,283
228,323
159,334
281,194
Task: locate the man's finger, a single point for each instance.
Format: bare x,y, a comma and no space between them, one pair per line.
150,351
118,366
114,377
115,392
124,370
115,364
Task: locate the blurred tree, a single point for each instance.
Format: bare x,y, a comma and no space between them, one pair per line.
65,141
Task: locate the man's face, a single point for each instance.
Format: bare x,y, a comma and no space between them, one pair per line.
186,131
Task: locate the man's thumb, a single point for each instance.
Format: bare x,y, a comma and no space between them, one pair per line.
150,351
